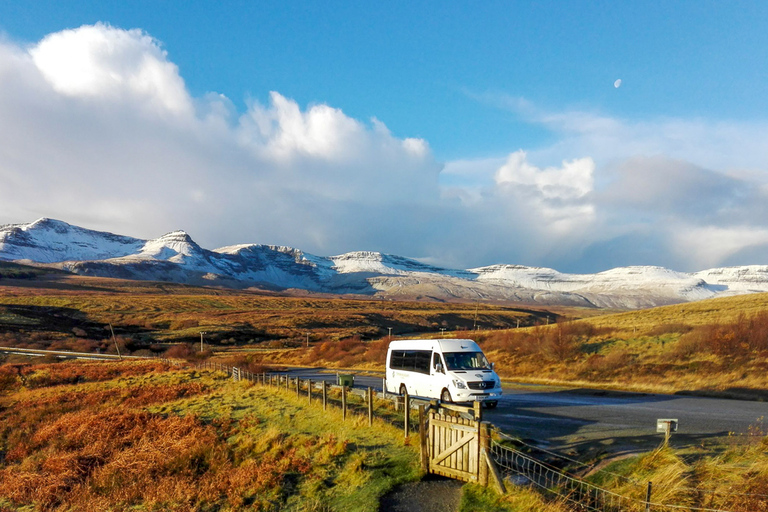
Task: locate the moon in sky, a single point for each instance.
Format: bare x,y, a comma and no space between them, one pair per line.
617,83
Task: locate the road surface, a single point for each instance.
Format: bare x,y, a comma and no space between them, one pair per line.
579,419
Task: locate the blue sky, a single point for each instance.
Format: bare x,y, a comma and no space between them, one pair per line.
460,133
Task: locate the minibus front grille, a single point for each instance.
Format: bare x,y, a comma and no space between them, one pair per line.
483,384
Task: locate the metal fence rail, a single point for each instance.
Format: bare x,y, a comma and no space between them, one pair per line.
580,494
577,494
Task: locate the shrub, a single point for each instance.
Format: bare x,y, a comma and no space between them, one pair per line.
184,351
688,345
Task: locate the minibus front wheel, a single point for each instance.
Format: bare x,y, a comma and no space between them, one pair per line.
403,391
445,396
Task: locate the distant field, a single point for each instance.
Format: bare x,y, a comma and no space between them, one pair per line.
61,307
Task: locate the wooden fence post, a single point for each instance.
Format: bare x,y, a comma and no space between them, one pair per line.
344,402
298,387
488,471
407,414
483,446
309,390
325,395
423,440
648,498
370,406
478,407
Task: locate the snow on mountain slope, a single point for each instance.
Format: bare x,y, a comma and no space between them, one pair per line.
285,267
177,247
746,279
176,257
50,241
386,264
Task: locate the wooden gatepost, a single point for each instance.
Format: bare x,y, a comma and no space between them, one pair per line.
456,445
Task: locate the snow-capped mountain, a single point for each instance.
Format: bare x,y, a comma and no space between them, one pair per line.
51,241
175,257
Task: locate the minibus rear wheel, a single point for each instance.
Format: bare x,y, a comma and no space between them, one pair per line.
445,396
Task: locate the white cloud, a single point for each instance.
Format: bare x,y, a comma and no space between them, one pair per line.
661,183
708,246
97,128
100,61
571,181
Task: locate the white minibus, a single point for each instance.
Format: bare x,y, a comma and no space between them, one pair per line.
450,370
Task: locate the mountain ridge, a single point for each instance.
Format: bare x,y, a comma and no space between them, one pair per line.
176,257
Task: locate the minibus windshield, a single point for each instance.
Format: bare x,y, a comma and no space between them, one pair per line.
466,361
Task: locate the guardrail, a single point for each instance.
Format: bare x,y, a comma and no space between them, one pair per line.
65,354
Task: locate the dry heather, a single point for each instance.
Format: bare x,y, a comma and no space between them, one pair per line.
144,436
736,479
162,313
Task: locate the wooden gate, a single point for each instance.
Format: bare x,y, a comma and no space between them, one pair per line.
454,446
457,446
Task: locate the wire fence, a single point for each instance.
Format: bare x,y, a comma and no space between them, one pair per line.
575,493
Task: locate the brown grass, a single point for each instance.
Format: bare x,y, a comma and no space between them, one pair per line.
146,315
156,438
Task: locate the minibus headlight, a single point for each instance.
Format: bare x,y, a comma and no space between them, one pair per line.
459,384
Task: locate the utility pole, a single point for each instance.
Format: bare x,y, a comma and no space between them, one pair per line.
389,336
115,340
474,326
201,340
307,340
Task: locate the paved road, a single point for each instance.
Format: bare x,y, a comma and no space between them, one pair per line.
571,418
566,417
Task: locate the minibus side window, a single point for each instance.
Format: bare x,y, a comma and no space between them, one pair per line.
421,361
397,360
411,360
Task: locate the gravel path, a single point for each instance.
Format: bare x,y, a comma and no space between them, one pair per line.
432,494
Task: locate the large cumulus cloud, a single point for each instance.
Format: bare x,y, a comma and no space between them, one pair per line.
98,128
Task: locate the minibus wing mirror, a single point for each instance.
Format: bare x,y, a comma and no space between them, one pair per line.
493,366
439,368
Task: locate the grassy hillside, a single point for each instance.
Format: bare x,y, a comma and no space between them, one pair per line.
143,436
717,346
